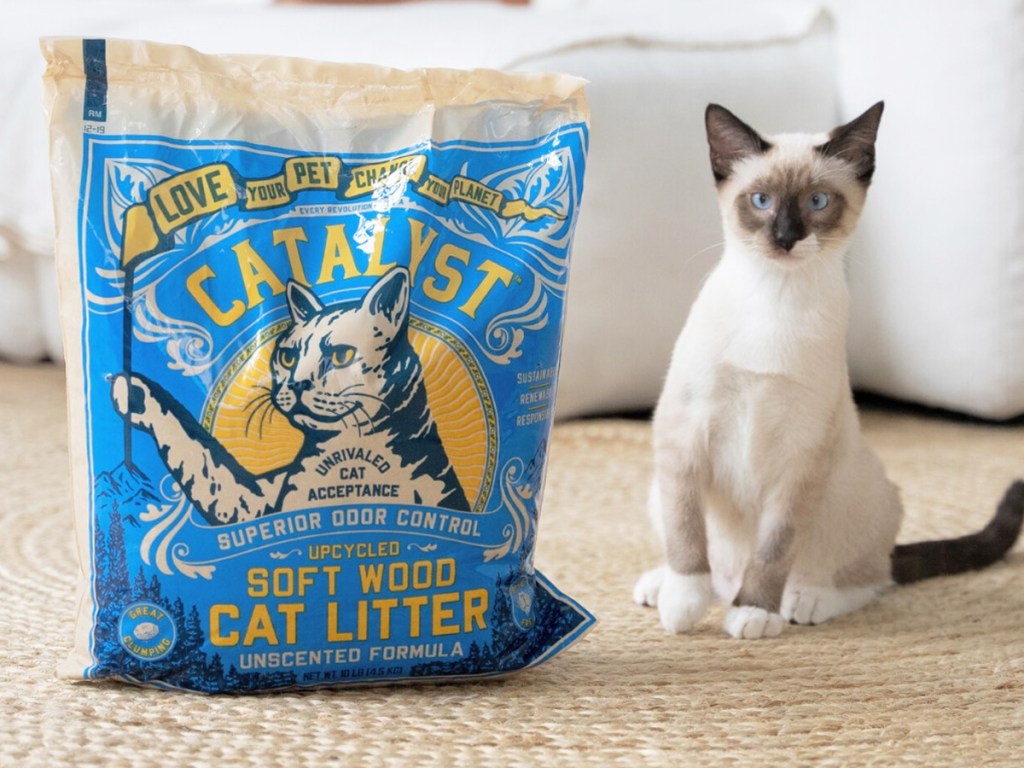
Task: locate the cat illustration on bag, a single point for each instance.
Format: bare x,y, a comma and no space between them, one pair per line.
348,378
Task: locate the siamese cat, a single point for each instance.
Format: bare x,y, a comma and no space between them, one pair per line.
765,494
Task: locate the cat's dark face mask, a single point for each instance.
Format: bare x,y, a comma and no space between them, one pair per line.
791,212
791,198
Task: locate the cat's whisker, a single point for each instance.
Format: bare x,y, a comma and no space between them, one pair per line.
702,251
268,416
364,396
344,423
258,401
254,408
260,414
347,409
359,424
368,396
369,419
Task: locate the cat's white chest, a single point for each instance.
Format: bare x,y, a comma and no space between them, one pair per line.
756,375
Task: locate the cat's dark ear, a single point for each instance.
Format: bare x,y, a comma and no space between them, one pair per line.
388,301
730,140
855,142
302,302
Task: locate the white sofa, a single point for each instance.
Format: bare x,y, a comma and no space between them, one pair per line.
937,270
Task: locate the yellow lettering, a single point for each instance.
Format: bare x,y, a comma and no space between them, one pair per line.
376,267
445,575
217,637
332,572
445,290
419,244
337,253
291,237
474,192
492,274
333,635
440,613
436,189
194,284
384,608
265,193
361,620
415,605
260,626
187,196
259,583
312,172
255,272
475,608
290,611
366,177
371,577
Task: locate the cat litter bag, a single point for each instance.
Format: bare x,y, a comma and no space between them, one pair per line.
312,315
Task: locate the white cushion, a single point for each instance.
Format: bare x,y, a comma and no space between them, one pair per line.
937,272
649,227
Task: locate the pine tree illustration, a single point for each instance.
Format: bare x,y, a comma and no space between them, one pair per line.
100,557
214,674
139,588
117,571
193,640
154,591
177,659
112,590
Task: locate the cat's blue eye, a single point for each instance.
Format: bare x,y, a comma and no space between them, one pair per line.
761,201
287,358
817,201
342,356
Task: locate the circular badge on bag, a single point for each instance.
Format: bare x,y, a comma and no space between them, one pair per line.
147,631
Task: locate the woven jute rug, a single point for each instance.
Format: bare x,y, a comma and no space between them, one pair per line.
931,674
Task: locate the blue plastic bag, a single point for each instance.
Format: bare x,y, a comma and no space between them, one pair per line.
312,319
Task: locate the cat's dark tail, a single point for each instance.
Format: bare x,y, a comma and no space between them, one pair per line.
925,559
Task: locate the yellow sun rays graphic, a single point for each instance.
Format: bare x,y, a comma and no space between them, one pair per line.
243,418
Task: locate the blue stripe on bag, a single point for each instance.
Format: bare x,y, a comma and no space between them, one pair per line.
94,55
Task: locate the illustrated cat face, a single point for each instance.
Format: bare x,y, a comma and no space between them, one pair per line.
330,369
791,198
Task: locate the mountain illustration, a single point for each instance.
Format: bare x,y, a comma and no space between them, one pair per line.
127,487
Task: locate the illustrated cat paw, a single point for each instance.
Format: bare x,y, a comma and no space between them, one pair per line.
816,605
682,600
750,623
129,395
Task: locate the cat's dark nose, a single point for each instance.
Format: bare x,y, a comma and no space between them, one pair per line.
303,385
788,228
786,241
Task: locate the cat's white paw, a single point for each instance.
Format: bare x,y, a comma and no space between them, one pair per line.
815,605
645,591
750,623
682,600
